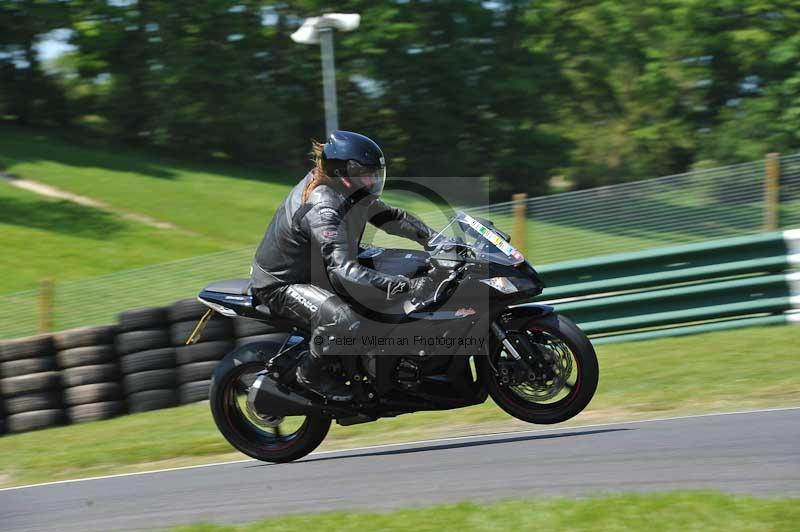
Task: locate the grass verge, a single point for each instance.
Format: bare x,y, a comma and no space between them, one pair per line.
214,207
54,238
715,372
229,206
226,203
682,510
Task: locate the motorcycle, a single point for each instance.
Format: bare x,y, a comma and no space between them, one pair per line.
476,336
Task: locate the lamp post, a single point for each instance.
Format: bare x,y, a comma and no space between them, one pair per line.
320,30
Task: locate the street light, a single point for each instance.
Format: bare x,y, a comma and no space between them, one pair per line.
320,30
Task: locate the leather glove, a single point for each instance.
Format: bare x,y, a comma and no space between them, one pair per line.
421,288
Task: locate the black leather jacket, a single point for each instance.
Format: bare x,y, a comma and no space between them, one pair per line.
317,242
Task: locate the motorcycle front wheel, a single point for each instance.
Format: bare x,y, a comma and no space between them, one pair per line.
557,378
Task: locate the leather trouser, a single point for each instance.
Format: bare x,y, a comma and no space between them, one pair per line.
323,313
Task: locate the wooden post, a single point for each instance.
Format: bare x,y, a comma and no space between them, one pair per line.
772,187
519,231
45,305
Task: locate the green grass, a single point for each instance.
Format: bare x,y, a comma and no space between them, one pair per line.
215,207
679,511
56,239
229,204
724,371
233,205
217,201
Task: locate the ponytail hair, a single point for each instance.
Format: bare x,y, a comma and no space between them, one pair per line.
319,176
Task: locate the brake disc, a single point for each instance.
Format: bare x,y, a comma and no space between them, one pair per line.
549,368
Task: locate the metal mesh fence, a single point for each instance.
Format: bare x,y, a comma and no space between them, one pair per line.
789,213
678,209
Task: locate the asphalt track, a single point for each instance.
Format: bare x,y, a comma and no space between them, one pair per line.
751,452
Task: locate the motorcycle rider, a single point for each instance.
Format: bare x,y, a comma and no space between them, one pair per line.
306,267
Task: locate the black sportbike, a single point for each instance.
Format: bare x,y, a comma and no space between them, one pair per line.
474,337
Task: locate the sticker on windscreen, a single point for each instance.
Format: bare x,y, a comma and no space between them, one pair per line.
493,237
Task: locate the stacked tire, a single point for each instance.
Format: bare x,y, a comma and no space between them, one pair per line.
30,386
248,331
146,359
90,373
196,362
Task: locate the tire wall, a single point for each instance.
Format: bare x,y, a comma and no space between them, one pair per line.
195,363
89,368
138,364
30,385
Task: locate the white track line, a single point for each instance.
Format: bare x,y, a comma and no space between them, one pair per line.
403,444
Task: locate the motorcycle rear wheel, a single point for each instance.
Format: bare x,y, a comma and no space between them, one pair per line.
559,336
258,435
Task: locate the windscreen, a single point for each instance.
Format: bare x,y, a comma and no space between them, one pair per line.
485,243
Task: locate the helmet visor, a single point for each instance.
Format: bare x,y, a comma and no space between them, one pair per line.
370,178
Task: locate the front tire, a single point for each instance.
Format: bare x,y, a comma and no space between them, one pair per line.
555,333
258,435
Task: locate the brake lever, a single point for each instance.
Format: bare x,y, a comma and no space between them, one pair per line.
409,307
447,280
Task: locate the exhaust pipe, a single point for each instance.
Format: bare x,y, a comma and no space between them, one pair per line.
265,398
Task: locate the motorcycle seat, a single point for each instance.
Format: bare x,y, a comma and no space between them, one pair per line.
236,295
237,287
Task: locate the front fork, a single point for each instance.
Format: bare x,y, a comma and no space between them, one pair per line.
500,334
518,369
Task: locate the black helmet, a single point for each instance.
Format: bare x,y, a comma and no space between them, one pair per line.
357,161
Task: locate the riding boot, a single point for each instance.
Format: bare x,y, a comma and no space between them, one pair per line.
313,376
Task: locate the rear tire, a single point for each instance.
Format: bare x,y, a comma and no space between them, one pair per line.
234,428
585,385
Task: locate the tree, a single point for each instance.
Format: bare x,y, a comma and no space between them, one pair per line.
508,92
753,97
449,90
27,93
